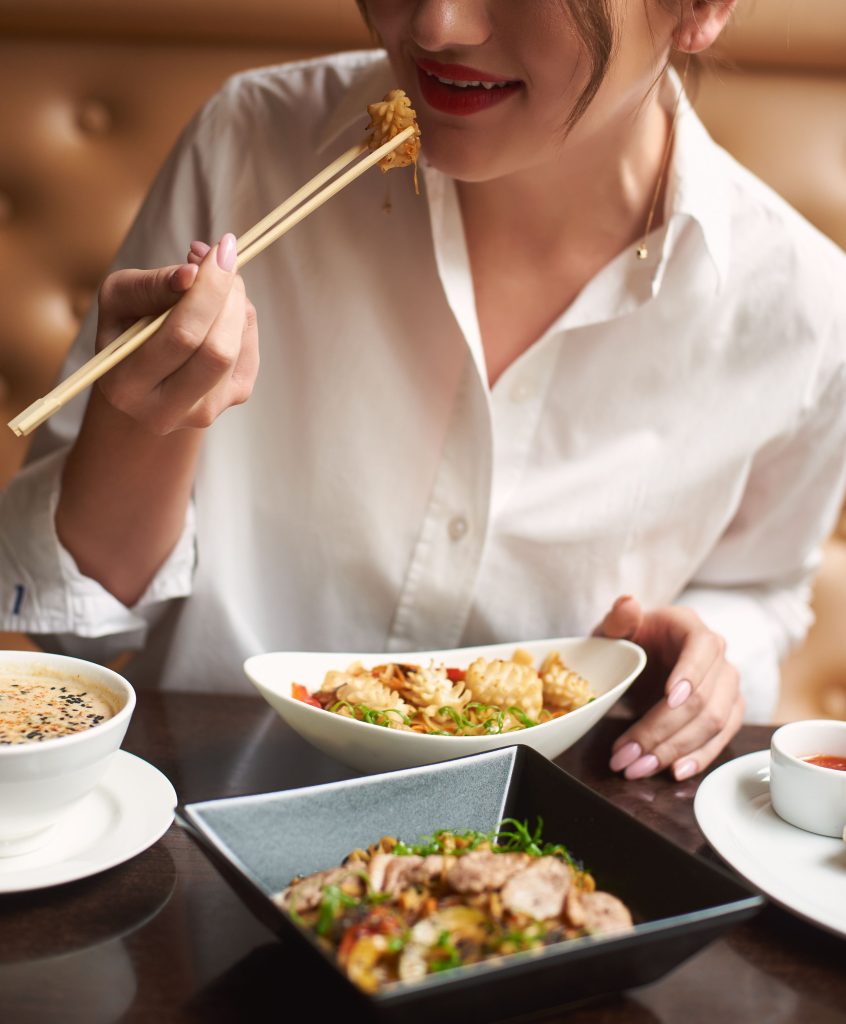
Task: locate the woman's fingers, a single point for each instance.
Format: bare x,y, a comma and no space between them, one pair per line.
686,691
700,650
200,390
203,359
246,368
667,737
183,277
130,384
197,252
701,699
699,759
128,295
623,620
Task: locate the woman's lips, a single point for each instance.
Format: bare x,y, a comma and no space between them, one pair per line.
441,86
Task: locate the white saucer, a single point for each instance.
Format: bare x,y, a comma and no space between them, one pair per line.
801,871
128,811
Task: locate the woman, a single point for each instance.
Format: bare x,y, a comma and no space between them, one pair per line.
491,414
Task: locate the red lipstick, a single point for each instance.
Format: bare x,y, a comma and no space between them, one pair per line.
486,90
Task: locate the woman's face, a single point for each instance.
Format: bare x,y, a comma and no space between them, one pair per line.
494,81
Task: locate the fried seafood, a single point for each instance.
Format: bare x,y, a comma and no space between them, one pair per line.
356,688
397,912
489,697
562,687
388,118
506,684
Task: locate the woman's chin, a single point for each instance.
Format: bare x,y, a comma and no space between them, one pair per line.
458,158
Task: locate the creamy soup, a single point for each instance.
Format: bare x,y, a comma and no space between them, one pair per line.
43,707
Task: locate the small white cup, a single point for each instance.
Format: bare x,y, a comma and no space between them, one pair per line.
41,781
807,795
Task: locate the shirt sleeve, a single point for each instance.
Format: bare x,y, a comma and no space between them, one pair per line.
755,587
42,590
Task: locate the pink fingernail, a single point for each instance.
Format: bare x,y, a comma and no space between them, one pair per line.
624,756
226,252
182,278
642,767
684,769
679,693
198,251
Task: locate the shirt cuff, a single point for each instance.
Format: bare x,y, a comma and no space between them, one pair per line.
757,637
42,590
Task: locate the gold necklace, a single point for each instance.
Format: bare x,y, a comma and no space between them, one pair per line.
642,252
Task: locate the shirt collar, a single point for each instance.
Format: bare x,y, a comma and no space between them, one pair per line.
696,187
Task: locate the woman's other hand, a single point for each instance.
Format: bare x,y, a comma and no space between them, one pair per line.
202,360
694,706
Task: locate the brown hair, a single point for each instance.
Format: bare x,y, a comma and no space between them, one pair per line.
595,26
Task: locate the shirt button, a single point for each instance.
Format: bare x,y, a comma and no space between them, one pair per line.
521,392
458,527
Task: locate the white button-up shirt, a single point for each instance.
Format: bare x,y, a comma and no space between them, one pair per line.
677,433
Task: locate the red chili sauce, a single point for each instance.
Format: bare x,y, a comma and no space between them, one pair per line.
827,761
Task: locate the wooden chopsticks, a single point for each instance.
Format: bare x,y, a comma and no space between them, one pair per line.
279,221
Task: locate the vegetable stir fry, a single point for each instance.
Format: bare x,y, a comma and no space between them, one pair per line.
399,912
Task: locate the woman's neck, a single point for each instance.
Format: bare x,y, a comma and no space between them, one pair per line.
599,190
536,237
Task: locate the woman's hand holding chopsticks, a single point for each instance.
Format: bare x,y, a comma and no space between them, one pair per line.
201,361
128,478
394,142
159,379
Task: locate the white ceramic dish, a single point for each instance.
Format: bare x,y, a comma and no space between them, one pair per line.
127,811
808,795
610,666
41,781
803,872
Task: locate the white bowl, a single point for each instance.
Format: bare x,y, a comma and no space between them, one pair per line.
41,781
807,795
610,667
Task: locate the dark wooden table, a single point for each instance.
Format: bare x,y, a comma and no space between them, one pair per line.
163,938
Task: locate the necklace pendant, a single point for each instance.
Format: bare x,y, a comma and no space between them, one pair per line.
642,252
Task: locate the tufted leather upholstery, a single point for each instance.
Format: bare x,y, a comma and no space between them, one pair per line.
93,94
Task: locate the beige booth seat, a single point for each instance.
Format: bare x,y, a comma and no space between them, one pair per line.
94,92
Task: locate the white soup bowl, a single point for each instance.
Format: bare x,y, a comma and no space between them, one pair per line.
42,780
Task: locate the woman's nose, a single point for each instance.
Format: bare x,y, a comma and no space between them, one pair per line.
440,24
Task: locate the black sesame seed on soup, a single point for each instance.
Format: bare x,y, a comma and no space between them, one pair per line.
34,708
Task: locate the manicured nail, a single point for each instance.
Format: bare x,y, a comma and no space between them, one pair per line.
198,249
624,756
644,766
684,769
679,693
226,252
182,278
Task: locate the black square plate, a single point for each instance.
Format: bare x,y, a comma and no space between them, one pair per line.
679,902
